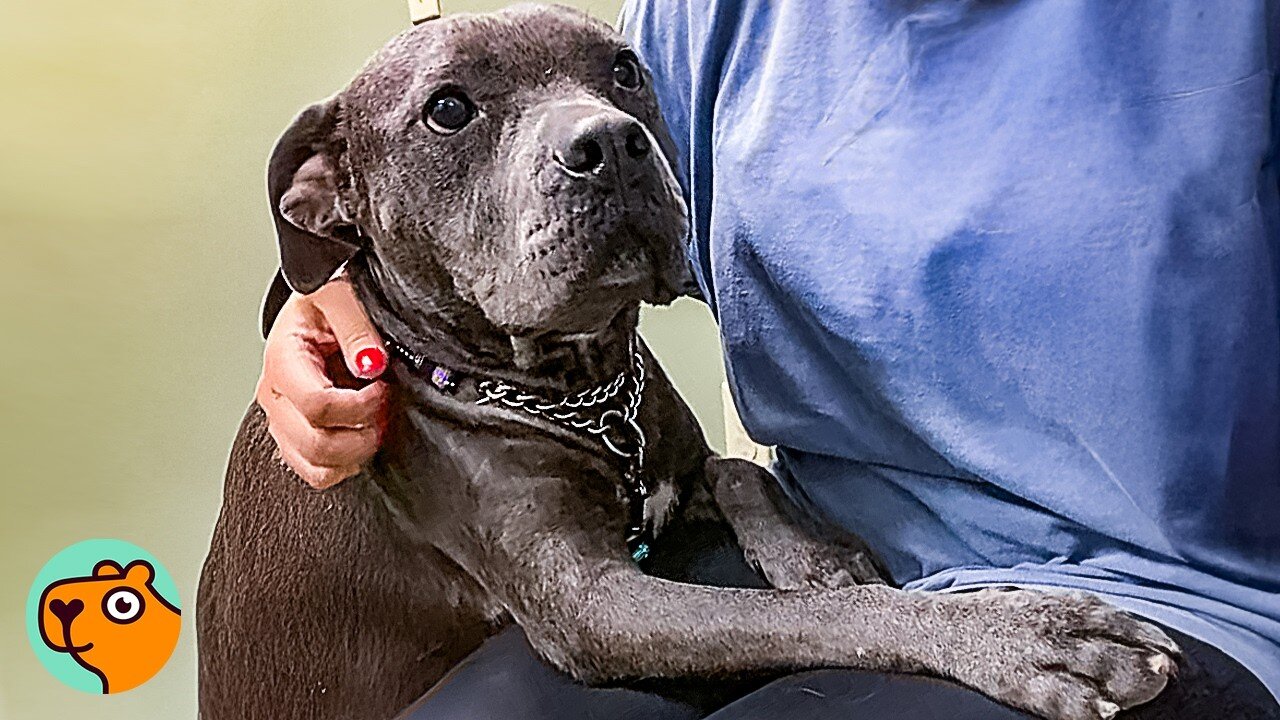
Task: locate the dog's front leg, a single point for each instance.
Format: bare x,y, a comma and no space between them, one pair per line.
791,551
590,611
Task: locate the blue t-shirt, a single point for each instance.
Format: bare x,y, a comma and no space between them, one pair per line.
1000,280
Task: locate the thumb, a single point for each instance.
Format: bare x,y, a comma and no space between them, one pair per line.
362,348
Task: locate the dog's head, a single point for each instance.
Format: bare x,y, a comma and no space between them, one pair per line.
515,161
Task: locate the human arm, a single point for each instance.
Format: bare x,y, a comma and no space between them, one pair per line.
325,423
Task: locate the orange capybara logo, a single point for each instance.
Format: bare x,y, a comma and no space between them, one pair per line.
113,624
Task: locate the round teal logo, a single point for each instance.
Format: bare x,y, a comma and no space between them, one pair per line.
103,616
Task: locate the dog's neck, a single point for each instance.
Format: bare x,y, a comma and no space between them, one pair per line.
455,334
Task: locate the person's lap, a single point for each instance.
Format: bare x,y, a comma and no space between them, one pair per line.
506,680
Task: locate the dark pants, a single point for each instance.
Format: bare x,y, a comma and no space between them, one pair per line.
505,680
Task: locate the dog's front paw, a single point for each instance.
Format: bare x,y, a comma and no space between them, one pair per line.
1064,656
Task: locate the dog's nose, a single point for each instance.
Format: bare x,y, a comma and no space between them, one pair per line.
587,141
582,156
66,612
637,143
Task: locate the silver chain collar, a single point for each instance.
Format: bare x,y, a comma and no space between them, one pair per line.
617,427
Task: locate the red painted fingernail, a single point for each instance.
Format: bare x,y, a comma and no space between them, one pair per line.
371,362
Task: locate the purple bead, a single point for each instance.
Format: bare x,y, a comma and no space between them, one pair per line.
440,377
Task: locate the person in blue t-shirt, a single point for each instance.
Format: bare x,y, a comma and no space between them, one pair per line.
1000,281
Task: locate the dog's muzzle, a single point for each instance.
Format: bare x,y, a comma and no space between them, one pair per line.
595,141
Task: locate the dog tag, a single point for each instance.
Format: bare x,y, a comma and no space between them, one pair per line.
424,10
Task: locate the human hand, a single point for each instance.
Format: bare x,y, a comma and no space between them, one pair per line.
326,425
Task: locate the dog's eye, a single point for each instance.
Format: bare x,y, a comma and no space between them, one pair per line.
448,111
626,71
122,605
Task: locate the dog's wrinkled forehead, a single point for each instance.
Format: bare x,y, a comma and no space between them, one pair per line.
495,58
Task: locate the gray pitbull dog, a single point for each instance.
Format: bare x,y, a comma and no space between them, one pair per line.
496,185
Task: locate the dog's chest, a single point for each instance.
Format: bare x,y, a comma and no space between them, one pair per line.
661,505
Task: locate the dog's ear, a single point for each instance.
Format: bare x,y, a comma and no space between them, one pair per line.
313,224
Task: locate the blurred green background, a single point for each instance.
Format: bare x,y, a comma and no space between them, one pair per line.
137,244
